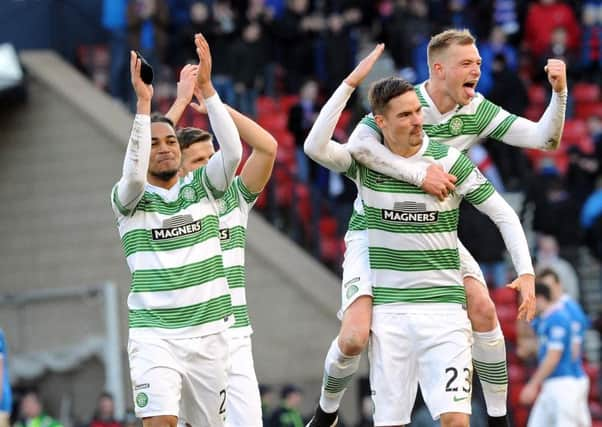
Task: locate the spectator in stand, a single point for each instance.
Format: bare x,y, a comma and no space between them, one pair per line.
542,18
497,44
555,211
199,21
114,21
296,31
104,416
249,55
338,56
31,413
505,16
300,120
548,257
287,414
148,25
591,221
591,44
260,12
581,174
223,33
407,28
558,47
508,92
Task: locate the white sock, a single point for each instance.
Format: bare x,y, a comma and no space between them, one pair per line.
489,358
338,370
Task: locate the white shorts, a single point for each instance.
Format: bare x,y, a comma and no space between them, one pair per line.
185,378
357,276
584,414
430,346
558,404
469,267
357,280
243,404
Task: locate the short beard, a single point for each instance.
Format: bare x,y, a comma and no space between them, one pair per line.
164,175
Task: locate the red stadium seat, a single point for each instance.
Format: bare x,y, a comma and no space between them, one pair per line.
303,199
287,101
574,130
537,95
266,105
504,296
330,249
275,121
585,92
587,110
328,226
534,112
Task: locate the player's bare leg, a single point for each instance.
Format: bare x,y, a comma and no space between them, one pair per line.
342,360
489,351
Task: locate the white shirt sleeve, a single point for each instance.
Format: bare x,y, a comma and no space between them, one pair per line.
318,144
504,217
544,134
365,146
222,166
130,188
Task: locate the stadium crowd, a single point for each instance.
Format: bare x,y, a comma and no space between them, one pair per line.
277,60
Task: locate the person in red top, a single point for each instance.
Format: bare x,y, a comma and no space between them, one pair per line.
104,416
542,18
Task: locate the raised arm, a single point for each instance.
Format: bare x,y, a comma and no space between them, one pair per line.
481,194
221,167
546,133
185,90
318,145
130,188
258,168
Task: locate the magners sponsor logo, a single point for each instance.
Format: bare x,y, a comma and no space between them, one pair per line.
177,226
172,232
420,217
409,212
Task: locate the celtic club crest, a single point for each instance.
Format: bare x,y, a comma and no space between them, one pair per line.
455,126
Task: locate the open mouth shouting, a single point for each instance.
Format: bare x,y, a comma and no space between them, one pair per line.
470,88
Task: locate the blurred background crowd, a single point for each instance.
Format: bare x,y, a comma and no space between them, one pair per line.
278,60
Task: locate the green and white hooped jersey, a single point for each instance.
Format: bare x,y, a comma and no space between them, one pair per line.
171,243
413,242
234,210
461,128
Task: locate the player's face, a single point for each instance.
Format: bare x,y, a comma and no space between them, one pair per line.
402,121
165,151
461,66
196,155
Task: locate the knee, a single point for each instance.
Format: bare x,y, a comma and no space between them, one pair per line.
353,342
160,421
481,311
455,420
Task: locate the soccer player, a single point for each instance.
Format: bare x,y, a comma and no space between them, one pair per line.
6,397
420,330
455,114
579,324
244,403
558,403
179,303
